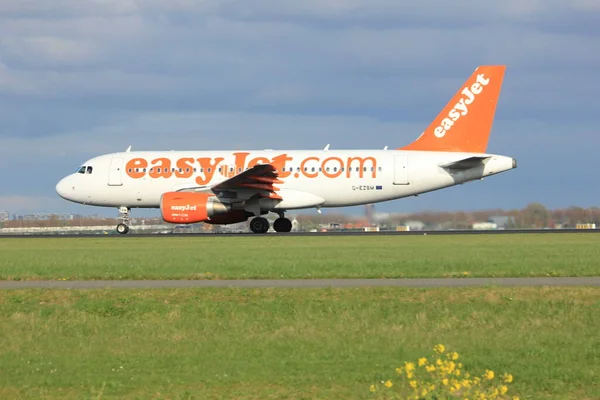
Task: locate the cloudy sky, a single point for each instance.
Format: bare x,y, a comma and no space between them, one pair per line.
79,78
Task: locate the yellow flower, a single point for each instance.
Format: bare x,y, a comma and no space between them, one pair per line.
445,381
399,371
372,388
503,389
450,366
438,361
422,361
430,368
424,392
454,356
413,384
508,378
409,367
388,384
515,398
409,375
440,348
489,375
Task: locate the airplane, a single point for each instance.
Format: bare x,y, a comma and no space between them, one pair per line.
226,187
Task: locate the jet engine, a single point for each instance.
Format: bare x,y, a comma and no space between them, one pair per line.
189,208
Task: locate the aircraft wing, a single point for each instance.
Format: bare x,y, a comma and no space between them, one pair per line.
260,179
465,163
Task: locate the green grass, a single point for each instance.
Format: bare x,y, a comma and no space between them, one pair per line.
300,343
300,257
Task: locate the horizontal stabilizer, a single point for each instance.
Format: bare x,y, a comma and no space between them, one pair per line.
465,163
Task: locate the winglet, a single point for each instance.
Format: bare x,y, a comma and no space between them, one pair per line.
464,125
128,149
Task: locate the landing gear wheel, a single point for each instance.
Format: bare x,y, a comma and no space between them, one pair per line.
122,229
123,226
259,225
282,225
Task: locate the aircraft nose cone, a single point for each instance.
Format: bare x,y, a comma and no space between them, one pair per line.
62,188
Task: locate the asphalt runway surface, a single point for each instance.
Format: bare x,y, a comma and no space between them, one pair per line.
305,283
132,233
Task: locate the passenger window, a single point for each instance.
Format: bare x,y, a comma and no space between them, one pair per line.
89,170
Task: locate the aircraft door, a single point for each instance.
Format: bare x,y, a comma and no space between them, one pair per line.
114,172
400,170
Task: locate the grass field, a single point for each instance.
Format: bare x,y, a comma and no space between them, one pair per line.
300,344
300,257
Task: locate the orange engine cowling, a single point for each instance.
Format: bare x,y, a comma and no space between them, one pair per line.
189,208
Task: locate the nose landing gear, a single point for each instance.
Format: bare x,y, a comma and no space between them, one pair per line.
123,227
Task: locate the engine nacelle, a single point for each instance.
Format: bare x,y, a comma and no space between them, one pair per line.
189,208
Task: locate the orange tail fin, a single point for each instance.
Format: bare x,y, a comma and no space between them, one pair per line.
465,123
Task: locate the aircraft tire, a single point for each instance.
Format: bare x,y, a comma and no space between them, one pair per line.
282,225
259,225
122,229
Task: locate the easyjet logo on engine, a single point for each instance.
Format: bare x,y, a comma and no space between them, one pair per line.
461,108
203,169
184,208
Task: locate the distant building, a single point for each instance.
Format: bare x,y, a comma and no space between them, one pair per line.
4,216
484,225
43,217
415,225
502,221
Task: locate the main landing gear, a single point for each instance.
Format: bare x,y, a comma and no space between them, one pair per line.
261,225
123,227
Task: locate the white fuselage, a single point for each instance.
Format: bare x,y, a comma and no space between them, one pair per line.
324,178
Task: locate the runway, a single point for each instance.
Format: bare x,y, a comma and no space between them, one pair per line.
305,283
133,234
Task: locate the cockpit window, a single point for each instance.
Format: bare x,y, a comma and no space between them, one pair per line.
81,170
89,169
